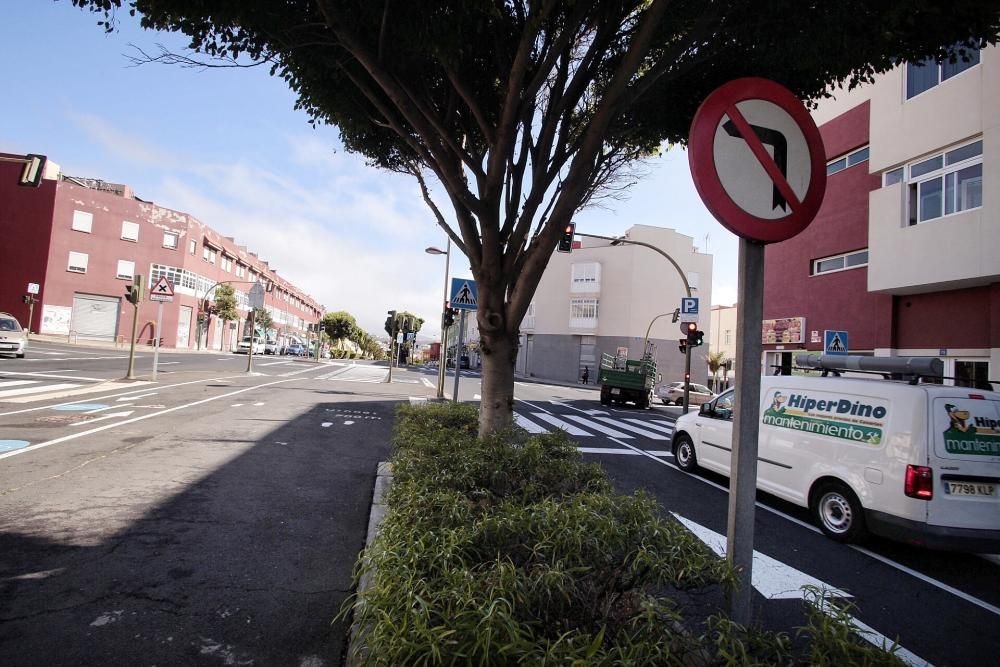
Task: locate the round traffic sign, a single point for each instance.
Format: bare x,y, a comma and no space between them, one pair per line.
757,159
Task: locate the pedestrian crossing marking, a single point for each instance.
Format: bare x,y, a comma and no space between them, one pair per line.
15,383
559,423
600,428
23,391
635,429
669,430
527,424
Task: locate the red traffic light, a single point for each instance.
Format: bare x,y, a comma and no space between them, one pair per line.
691,327
566,240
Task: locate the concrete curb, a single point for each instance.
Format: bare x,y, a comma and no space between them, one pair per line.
383,478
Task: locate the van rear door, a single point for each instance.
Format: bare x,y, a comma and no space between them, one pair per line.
965,458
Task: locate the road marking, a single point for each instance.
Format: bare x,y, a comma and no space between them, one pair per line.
326,424
112,415
607,450
600,428
49,374
83,358
304,370
639,422
74,436
278,363
136,398
16,383
167,363
428,383
559,423
106,407
257,405
527,424
35,390
635,429
237,405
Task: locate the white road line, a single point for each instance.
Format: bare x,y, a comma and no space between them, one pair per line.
18,383
124,393
559,423
428,383
639,422
607,450
167,363
600,428
526,424
74,436
49,374
635,429
83,358
108,407
112,415
136,398
24,391
278,363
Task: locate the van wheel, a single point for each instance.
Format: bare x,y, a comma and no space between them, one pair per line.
684,453
838,513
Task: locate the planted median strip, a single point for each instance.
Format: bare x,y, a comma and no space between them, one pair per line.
511,550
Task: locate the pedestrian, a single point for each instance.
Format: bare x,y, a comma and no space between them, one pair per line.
586,375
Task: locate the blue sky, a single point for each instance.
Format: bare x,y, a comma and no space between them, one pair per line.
227,146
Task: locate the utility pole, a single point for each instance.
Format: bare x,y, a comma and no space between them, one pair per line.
253,337
458,352
133,294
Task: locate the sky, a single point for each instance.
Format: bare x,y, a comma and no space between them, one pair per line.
228,147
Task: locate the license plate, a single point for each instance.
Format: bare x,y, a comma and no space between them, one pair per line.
969,489
616,391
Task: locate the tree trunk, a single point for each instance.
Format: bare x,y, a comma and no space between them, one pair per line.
499,353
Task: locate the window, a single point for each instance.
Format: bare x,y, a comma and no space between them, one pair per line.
227,264
193,247
923,76
83,221
239,270
170,240
972,374
948,183
126,269
77,262
587,274
851,260
892,177
130,231
849,160
583,312
729,337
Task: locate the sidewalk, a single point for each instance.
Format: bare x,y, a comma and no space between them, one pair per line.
561,383
103,345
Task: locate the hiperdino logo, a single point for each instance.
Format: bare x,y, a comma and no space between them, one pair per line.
831,416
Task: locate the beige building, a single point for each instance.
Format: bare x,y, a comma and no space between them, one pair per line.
601,298
723,327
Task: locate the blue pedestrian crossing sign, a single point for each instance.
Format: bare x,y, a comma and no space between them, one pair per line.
464,295
835,342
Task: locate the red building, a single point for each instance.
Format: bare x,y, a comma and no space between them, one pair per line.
82,240
904,254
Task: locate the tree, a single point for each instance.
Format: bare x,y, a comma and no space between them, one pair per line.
340,325
524,112
225,307
262,319
715,361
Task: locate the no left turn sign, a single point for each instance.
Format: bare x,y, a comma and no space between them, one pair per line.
757,160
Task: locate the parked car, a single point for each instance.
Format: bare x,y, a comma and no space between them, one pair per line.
13,338
916,463
296,350
270,346
464,362
243,347
673,392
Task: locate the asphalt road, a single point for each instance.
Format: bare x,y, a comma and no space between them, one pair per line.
214,517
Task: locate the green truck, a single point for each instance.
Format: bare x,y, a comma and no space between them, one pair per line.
627,380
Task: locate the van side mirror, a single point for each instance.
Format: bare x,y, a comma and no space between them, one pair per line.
705,409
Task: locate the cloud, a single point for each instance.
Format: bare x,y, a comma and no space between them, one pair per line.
123,145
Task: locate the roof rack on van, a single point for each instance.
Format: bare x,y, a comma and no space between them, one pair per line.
902,368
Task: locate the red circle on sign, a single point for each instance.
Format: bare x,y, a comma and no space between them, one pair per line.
701,158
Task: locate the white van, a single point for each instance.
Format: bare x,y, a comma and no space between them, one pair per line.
917,463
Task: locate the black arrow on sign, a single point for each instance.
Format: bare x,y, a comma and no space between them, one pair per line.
778,142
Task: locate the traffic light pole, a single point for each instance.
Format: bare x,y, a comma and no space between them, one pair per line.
442,359
31,311
458,353
687,375
131,350
253,337
156,341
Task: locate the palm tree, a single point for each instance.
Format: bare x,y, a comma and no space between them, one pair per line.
715,361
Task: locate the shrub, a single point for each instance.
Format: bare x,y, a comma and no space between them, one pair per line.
511,550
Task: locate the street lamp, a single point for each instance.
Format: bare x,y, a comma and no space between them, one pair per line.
443,356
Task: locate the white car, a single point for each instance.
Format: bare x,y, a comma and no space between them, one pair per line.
917,463
243,347
674,393
13,338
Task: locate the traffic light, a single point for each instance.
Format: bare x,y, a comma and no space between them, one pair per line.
26,298
694,337
34,167
566,241
449,317
133,292
390,323
683,345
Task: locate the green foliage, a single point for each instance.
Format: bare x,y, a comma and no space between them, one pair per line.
510,550
340,325
262,319
225,303
405,321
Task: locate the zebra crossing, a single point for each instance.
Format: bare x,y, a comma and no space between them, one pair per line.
358,373
600,425
11,389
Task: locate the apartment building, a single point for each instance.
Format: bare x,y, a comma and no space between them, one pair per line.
905,252
603,298
82,240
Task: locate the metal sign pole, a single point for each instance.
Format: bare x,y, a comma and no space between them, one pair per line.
31,312
156,340
746,427
442,361
131,351
253,336
687,376
458,352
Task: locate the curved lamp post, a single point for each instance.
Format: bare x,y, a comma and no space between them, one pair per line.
443,356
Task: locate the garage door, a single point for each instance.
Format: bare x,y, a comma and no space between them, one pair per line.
95,316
